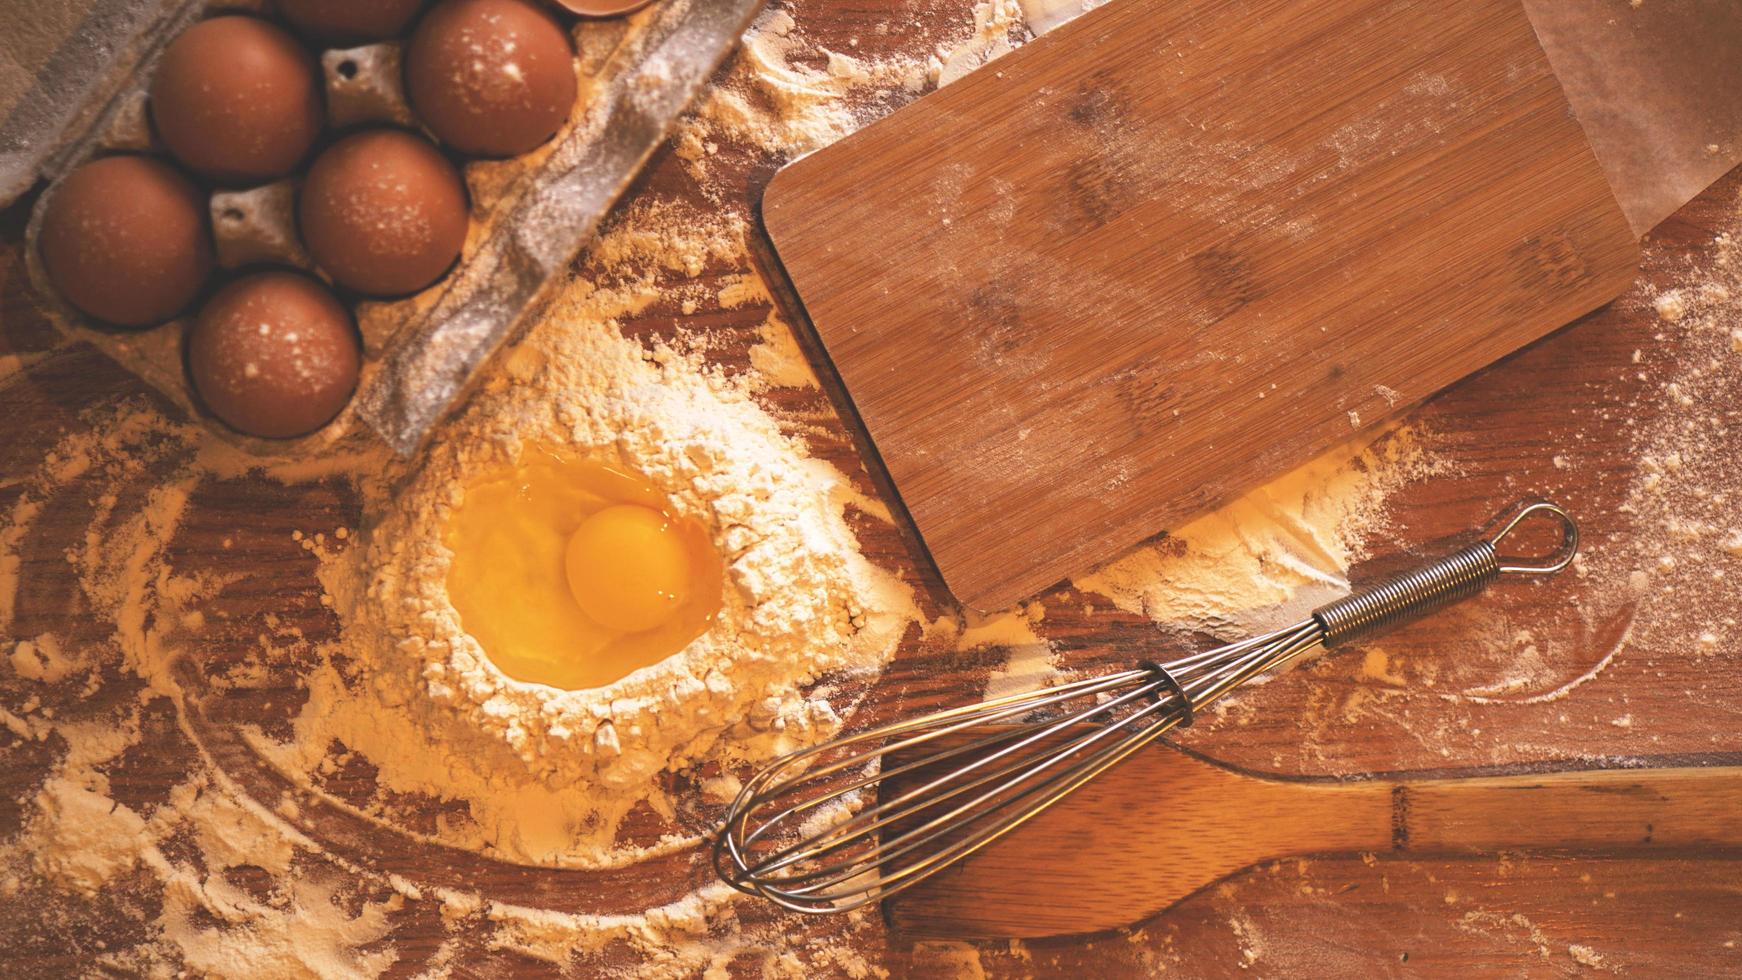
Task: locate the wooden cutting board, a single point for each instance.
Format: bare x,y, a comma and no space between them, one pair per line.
1169,250
1164,824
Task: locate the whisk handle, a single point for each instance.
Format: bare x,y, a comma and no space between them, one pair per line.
1459,575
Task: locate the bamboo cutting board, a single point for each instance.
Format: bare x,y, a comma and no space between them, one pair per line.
1169,250
1164,824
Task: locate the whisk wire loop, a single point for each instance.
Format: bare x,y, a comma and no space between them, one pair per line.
932,793
768,785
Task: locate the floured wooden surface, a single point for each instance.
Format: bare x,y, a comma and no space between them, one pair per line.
1612,416
1163,255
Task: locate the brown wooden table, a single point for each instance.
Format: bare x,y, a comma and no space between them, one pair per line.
1562,418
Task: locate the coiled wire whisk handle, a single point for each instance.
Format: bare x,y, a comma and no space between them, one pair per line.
1459,575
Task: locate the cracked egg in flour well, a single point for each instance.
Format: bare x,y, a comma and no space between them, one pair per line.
547,772
574,573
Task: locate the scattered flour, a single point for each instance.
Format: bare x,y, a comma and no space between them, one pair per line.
1685,499
1266,559
437,717
777,359
949,959
41,660
1030,662
1044,15
785,95
542,777
547,778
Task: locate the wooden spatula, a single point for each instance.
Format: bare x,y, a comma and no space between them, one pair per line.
1165,824
1169,250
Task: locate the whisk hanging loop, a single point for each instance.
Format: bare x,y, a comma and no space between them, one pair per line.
1550,563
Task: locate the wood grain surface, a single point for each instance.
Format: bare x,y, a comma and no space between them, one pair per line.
1171,819
1563,417
1169,251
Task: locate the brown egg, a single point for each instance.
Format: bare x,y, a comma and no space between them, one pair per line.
237,99
383,212
602,8
274,354
348,22
490,77
125,239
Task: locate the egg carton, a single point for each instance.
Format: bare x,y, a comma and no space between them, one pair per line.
531,215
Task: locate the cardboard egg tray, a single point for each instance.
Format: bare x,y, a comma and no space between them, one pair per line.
530,215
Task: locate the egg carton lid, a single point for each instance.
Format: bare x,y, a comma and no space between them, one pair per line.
72,61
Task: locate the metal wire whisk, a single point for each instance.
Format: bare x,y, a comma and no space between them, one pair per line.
809,833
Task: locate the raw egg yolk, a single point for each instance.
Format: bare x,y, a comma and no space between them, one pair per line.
576,574
628,569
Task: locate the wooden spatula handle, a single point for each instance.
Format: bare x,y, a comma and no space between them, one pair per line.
1165,824
1591,810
